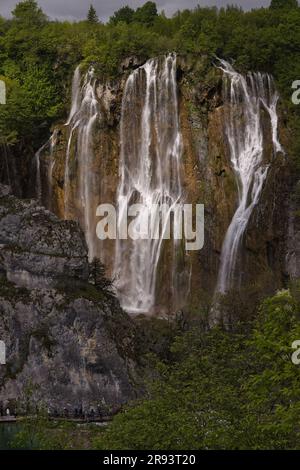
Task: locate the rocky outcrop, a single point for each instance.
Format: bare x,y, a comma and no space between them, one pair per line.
38,249
69,345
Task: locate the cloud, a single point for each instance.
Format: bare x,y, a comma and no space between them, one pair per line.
77,9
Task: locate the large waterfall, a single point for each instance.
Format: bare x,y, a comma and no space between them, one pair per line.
245,99
87,162
150,174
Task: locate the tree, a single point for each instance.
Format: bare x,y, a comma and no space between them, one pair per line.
272,390
280,4
98,278
92,16
29,13
146,14
124,14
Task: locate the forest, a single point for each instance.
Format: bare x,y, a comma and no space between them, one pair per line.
37,56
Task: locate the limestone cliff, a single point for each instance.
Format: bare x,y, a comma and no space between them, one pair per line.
68,344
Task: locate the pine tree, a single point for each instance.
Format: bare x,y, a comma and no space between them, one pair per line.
98,278
92,16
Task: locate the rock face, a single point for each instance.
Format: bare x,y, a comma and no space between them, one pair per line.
68,344
293,243
207,178
37,247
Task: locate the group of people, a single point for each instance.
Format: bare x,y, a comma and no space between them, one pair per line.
97,413
78,413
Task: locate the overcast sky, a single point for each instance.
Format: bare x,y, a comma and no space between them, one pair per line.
77,9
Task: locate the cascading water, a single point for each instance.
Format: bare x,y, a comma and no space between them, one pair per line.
49,148
150,160
52,143
245,98
83,116
75,105
38,172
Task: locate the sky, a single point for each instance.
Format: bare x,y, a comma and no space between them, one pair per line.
77,9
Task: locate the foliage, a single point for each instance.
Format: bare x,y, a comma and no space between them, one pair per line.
39,433
275,4
34,48
224,390
146,14
28,13
124,14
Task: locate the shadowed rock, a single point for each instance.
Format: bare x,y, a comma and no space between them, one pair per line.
68,344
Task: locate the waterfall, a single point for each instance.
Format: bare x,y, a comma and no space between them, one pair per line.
52,143
150,160
47,147
75,94
38,177
83,116
245,98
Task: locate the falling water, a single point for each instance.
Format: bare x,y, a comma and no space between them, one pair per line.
83,116
75,94
150,160
52,143
38,172
245,97
47,147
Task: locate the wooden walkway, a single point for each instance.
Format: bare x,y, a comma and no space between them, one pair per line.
7,419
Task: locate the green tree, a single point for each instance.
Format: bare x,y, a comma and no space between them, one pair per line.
92,16
124,14
279,4
273,388
29,13
31,106
98,278
146,14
